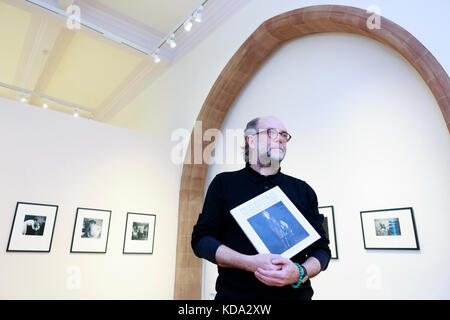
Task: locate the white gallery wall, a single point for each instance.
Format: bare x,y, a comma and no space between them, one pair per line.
53,158
367,135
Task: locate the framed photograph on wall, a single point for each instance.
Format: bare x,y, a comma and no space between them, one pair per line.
32,227
139,233
91,230
330,229
389,229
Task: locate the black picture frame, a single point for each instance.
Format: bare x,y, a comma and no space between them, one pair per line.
32,228
139,243
84,239
329,225
389,229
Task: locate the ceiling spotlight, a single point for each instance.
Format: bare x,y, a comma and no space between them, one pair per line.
198,14
23,97
188,25
45,105
156,57
76,115
171,42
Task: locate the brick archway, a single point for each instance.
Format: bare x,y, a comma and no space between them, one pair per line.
238,72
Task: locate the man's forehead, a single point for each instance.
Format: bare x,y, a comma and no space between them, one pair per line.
270,122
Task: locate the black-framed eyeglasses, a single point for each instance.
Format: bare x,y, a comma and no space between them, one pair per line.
273,133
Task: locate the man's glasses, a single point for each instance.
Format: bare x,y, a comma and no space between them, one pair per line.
273,133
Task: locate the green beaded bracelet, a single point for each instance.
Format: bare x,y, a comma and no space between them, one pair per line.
299,282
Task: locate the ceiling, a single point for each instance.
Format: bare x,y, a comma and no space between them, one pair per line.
100,67
159,15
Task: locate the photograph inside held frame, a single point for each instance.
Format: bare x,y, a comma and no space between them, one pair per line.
278,228
159,150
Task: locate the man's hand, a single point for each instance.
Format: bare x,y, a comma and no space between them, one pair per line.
270,269
284,272
263,261
228,258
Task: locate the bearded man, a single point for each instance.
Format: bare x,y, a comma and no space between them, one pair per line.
244,274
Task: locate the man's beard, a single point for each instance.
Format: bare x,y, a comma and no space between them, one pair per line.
272,157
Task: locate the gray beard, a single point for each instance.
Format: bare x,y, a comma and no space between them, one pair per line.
267,161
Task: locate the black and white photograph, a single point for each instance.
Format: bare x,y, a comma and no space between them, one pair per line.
34,225
278,228
273,224
389,229
32,228
139,233
91,229
330,228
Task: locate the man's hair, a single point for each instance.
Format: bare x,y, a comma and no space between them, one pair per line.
251,128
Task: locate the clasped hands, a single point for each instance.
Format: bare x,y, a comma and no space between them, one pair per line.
274,270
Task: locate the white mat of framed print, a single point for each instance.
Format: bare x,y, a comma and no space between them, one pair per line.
91,229
32,228
139,233
389,229
273,224
330,229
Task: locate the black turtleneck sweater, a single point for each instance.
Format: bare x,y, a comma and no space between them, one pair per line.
216,226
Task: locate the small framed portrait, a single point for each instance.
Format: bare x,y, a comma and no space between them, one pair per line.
139,233
91,230
32,227
389,229
330,228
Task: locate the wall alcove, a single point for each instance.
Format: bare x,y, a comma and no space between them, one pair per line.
269,36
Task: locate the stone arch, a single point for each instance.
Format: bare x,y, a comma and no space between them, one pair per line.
237,73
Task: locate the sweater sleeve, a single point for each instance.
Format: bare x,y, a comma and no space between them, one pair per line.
206,232
319,249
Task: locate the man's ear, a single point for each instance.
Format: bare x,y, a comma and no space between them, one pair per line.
251,141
